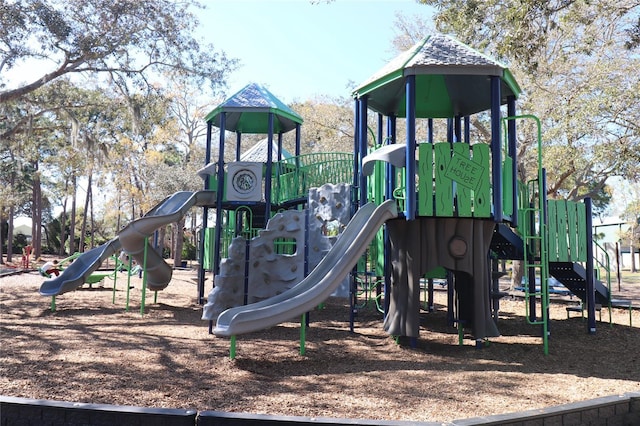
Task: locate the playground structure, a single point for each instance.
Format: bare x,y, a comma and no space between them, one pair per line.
450,209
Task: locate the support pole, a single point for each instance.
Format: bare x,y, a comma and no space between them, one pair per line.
219,211
496,149
303,333
590,285
144,276
410,178
232,348
362,148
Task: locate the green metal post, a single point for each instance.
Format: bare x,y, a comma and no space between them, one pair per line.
115,279
144,276
129,281
303,333
232,348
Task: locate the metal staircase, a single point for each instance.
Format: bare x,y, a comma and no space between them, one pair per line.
574,277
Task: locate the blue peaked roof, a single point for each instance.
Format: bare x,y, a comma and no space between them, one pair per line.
248,112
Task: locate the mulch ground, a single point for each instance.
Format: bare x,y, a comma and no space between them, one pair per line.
93,350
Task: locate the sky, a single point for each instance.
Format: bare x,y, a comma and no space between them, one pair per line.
297,49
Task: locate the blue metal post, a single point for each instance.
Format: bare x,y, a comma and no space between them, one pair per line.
467,129
219,211
205,216
512,152
247,253
410,180
362,134
356,155
267,178
238,147
430,130
391,182
591,296
391,170
496,151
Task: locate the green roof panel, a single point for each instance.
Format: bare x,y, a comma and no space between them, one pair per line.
248,110
451,79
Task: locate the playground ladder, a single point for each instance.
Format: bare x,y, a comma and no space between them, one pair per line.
536,262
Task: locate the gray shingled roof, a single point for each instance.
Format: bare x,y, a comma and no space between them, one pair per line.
258,153
248,111
444,51
448,74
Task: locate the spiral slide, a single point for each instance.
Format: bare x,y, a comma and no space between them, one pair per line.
319,284
132,239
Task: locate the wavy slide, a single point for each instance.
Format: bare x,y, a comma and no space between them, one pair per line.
132,240
79,270
319,284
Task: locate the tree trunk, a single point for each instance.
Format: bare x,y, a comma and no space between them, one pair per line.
517,272
36,214
83,232
10,234
12,184
93,223
63,227
632,250
72,224
63,219
1,235
162,234
178,241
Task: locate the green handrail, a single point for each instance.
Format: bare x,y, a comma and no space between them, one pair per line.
607,267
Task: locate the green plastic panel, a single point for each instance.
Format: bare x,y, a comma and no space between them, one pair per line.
582,232
437,272
561,225
507,186
209,238
567,230
572,231
482,196
444,185
449,171
425,181
552,230
463,192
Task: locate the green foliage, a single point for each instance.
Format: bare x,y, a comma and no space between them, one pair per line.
57,129
189,251
573,61
19,242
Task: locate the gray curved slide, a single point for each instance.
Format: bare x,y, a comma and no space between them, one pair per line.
319,284
79,270
171,210
395,154
132,240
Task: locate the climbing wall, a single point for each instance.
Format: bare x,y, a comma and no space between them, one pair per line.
330,212
270,273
